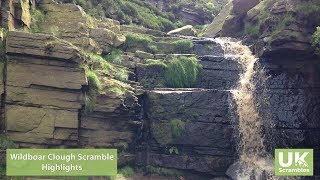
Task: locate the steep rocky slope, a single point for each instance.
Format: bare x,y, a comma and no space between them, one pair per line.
275,28
64,86
280,33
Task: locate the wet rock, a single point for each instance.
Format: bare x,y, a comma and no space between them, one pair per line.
242,170
205,143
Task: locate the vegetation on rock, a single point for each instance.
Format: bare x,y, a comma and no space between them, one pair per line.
156,63
37,17
126,171
183,46
311,9
135,11
283,22
206,8
316,41
177,128
94,89
115,56
111,66
182,72
134,40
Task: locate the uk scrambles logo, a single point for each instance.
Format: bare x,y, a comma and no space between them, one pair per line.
294,162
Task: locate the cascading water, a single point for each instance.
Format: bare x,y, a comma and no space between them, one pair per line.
253,154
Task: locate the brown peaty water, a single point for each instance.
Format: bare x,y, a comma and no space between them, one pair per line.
252,149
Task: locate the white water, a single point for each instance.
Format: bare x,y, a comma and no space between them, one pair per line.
252,149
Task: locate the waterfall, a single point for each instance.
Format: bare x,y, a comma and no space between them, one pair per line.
252,151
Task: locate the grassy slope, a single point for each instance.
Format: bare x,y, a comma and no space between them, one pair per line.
141,12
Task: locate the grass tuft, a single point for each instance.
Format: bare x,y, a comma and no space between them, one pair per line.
133,40
94,90
177,128
182,72
37,17
115,56
183,46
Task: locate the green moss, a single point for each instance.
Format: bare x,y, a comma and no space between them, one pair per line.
56,31
284,21
210,46
134,40
142,12
115,56
122,75
311,9
6,143
252,29
183,46
155,64
37,17
173,150
182,72
315,41
177,128
96,57
119,91
90,22
126,171
94,85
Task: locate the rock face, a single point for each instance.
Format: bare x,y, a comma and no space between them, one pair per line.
216,26
45,98
217,71
184,11
276,28
112,122
45,94
293,109
185,31
16,14
79,29
205,142
43,90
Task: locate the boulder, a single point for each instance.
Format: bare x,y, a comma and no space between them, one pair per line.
110,24
216,26
184,31
75,26
241,7
106,38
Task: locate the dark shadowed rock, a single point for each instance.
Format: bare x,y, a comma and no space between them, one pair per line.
205,144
